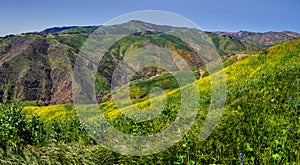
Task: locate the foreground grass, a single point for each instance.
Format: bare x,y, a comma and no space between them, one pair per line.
260,123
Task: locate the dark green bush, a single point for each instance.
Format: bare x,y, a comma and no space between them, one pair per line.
16,130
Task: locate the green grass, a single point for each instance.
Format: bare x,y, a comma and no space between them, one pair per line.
259,121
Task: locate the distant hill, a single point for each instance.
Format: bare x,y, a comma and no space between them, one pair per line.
260,39
38,67
226,42
125,28
59,29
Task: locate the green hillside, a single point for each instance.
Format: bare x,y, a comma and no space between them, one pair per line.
227,46
260,122
37,67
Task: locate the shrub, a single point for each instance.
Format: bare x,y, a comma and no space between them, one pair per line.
16,130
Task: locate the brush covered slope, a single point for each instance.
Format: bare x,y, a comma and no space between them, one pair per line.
260,124
37,67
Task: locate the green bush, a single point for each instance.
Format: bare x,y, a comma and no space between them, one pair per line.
68,131
16,130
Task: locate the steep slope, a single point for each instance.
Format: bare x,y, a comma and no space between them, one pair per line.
25,72
227,45
38,67
132,46
258,112
250,73
260,122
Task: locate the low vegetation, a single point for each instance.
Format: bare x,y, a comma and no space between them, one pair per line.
260,124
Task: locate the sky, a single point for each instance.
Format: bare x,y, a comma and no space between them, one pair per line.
18,16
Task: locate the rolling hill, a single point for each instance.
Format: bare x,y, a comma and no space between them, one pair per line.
37,67
259,122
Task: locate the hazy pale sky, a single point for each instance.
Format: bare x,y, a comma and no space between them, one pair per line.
19,16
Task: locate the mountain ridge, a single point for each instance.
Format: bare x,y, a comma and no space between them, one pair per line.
53,30
247,39
38,66
260,39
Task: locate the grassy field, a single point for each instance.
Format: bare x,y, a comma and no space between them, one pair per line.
260,123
